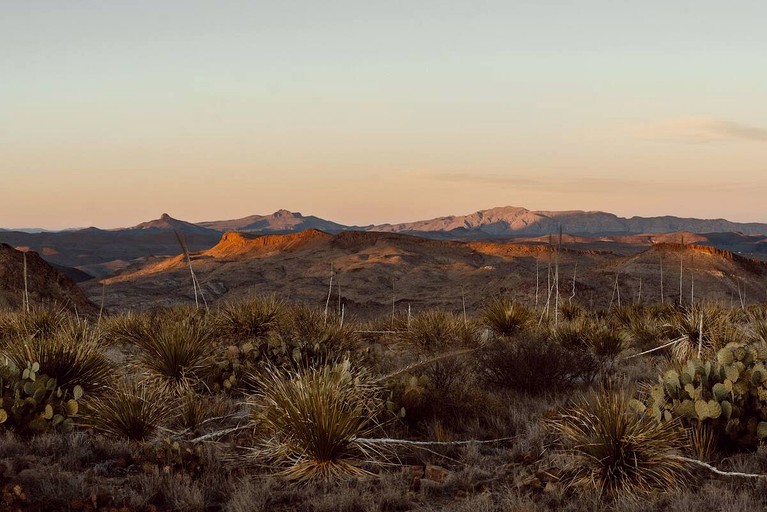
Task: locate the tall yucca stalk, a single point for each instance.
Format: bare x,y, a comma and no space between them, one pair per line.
617,450
314,416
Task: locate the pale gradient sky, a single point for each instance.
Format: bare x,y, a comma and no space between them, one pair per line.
112,112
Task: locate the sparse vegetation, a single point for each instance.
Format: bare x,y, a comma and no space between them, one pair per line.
187,409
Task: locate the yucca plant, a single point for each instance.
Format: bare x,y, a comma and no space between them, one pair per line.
250,318
700,331
313,416
195,410
433,331
129,410
72,356
129,328
617,450
39,322
176,353
506,317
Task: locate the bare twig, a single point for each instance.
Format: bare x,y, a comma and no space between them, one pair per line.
719,472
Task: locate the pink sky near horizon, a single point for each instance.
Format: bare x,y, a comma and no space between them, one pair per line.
112,113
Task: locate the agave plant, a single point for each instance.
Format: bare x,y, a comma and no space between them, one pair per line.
313,417
618,450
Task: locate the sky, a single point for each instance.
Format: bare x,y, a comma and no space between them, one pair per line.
365,112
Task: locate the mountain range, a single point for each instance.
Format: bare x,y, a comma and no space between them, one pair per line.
95,252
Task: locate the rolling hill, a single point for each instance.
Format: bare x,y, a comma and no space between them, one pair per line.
373,269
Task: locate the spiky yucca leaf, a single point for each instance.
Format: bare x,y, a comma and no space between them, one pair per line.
314,416
506,317
129,328
129,410
72,355
618,451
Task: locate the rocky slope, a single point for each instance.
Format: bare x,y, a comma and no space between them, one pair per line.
373,269
46,285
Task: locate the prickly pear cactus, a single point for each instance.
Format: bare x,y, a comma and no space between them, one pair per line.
729,393
33,404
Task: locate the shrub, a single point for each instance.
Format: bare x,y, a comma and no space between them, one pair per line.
535,363
313,417
506,317
177,353
250,318
616,449
129,410
72,356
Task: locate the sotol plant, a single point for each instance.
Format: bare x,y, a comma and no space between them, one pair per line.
313,416
130,410
617,450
